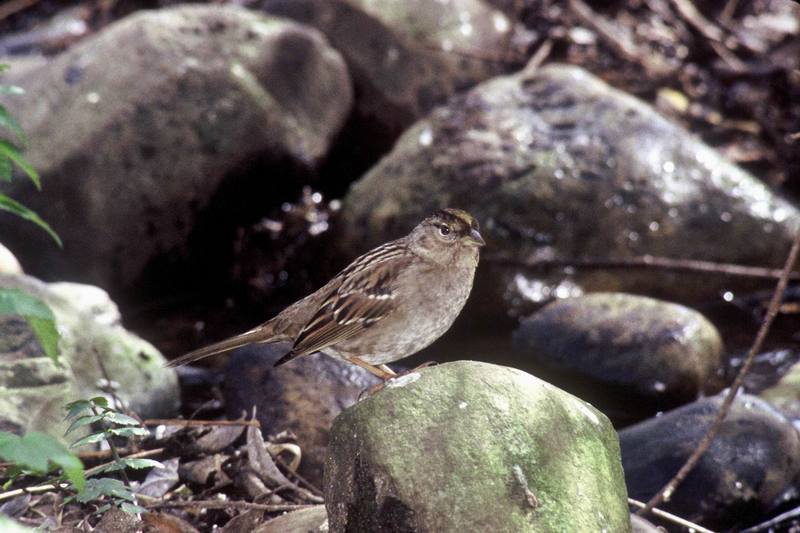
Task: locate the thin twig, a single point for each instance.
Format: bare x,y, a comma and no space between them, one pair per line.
15,6
109,388
726,15
690,13
649,261
772,522
671,517
539,56
146,453
774,305
303,481
710,31
45,487
220,504
188,423
618,40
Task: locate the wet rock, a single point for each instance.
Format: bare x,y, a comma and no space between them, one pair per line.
33,390
131,156
470,446
407,57
785,394
645,349
753,460
558,165
303,396
311,520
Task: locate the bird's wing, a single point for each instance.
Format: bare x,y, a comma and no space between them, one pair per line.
365,296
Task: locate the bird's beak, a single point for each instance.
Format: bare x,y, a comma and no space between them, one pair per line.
474,238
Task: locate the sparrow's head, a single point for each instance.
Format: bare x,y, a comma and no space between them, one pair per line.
448,237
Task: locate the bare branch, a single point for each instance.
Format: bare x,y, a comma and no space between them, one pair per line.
774,305
649,261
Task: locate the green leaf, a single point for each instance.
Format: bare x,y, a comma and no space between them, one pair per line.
108,467
140,463
37,314
89,439
9,122
128,432
104,486
77,407
100,401
132,508
38,451
82,421
12,206
73,469
122,420
12,152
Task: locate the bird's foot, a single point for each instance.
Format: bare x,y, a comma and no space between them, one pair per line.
395,378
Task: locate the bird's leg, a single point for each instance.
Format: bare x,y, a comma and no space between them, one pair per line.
382,371
387,370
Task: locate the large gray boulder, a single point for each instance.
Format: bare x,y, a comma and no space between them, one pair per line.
136,129
470,446
557,164
406,57
657,352
33,390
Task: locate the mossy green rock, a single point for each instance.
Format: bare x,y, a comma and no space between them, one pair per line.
469,446
33,390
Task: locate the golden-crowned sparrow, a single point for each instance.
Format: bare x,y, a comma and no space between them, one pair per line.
386,305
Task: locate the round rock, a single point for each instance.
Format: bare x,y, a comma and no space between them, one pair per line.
661,352
303,396
131,156
406,57
469,446
556,164
752,461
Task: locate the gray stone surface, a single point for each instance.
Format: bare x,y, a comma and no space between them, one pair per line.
470,446
406,57
557,164
136,129
652,349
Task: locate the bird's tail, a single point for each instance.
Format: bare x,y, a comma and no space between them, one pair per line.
262,333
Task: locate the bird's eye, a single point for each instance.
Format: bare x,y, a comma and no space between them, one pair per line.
444,230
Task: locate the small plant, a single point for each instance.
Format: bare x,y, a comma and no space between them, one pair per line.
11,156
97,412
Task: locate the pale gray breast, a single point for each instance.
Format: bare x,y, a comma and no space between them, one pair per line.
424,314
